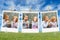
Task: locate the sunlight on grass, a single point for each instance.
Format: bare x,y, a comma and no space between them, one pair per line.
30,36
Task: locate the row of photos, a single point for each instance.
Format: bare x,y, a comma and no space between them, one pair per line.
30,21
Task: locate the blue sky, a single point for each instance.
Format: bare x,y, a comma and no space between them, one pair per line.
29,4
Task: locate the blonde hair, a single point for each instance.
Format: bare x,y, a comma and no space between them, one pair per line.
16,18
45,17
36,18
6,17
53,18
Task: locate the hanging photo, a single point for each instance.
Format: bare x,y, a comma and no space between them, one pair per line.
10,21
49,21
30,22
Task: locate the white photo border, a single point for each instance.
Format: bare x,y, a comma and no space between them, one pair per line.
9,29
50,29
30,30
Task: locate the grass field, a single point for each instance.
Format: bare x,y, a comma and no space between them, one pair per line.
30,36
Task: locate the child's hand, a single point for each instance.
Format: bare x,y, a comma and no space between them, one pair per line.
48,21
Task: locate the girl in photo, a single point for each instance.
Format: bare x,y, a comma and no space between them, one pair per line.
14,23
45,22
25,22
6,22
35,23
53,22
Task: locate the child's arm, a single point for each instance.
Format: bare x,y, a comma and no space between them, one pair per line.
44,24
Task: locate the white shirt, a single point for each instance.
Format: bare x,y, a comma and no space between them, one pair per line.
53,24
14,25
44,24
25,24
34,25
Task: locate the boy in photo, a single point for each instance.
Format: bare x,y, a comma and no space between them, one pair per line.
25,22
45,22
14,22
6,22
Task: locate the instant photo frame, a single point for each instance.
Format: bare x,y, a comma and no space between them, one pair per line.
10,21
29,21
50,21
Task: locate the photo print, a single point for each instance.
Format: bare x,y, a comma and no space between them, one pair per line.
30,22
10,21
49,21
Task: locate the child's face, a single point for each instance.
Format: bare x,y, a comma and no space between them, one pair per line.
54,19
26,18
15,18
6,17
46,18
35,19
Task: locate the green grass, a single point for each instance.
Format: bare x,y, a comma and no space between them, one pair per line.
30,36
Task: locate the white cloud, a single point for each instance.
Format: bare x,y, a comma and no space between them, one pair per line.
37,7
11,5
31,2
24,7
0,12
48,7
58,6
18,7
38,3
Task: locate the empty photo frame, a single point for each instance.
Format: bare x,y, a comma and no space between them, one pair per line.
10,21
50,21
29,21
